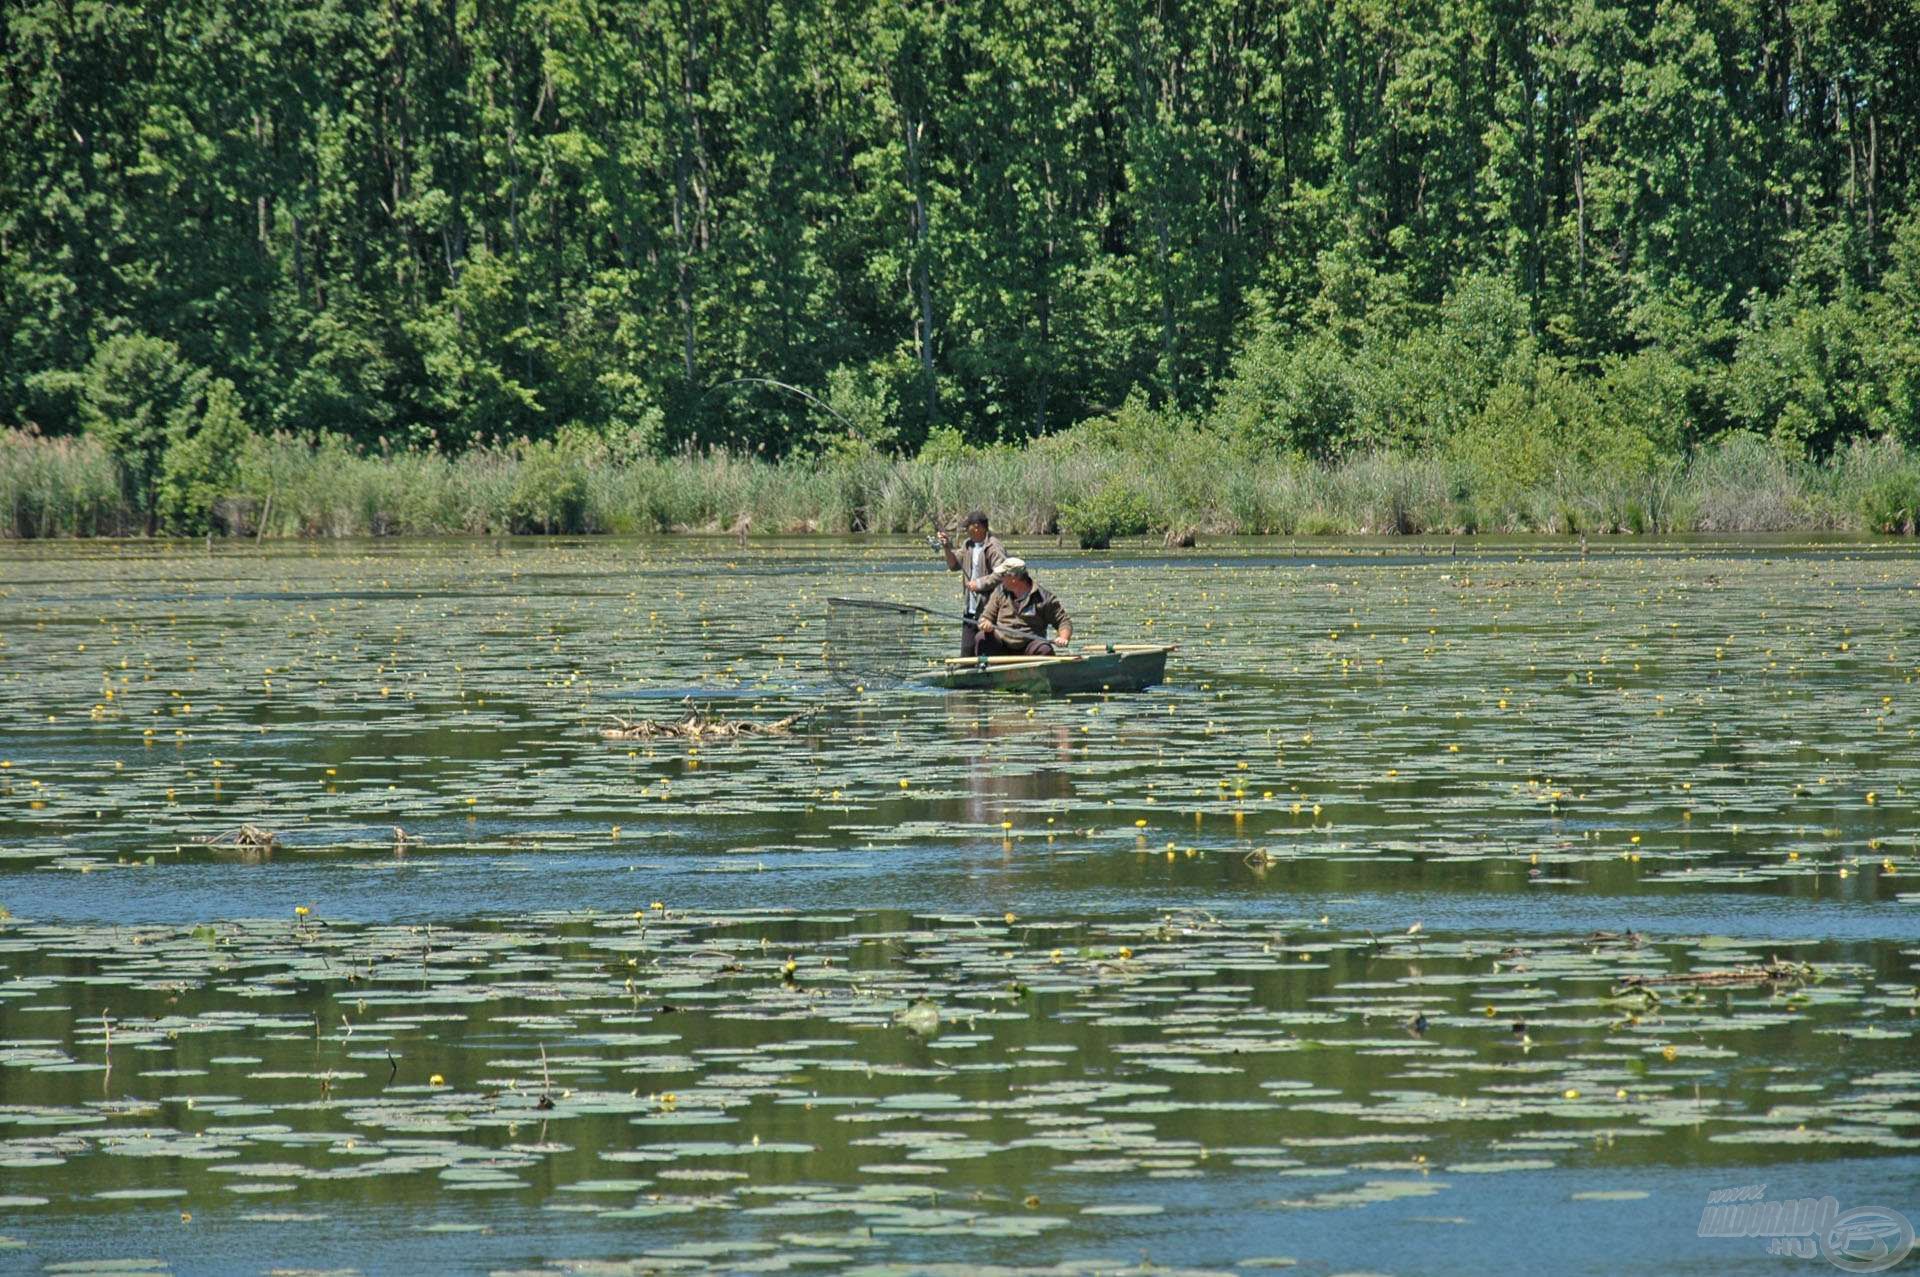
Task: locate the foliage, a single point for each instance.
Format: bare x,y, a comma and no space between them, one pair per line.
1321,228
1892,502
1653,395
202,459
944,445
1137,427
137,396
1400,376
1115,510
1800,376
550,488
863,413
1893,340
1546,431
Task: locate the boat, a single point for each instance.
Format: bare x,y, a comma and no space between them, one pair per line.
1109,667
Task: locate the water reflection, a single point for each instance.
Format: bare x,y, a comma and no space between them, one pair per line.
1012,757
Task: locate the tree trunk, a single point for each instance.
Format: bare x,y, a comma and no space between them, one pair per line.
260,200
1873,168
684,267
299,259
1580,209
1167,345
923,287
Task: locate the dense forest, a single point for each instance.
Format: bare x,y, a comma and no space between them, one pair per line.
1315,227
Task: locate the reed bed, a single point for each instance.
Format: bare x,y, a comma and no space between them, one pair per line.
1183,483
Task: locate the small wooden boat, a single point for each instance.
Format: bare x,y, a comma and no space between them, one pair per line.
1109,667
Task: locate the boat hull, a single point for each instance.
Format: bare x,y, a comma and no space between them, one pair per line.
1128,671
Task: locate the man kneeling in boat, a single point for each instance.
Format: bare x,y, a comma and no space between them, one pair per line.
1016,619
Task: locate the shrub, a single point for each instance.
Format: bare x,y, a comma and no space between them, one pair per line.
864,412
1402,377
1136,428
1892,503
1655,394
1286,397
550,490
944,446
202,459
1894,339
1800,375
134,387
1542,441
634,425
1114,510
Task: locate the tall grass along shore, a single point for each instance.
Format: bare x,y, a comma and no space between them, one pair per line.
1175,482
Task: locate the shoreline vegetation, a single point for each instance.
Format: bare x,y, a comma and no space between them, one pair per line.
1177,483
1112,269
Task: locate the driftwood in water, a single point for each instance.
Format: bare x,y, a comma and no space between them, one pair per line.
247,837
1775,972
698,725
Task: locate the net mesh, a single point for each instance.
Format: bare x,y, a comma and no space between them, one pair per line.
872,645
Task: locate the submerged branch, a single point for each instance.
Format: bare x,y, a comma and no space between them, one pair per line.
249,837
1775,972
698,725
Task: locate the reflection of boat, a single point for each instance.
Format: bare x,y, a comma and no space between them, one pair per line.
1112,667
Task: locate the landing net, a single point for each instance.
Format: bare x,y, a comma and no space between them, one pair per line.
872,645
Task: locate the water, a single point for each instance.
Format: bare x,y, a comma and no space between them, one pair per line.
1131,979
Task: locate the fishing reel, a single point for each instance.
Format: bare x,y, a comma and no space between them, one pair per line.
934,541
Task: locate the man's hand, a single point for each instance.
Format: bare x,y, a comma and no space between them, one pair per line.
946,542
985,627
976,585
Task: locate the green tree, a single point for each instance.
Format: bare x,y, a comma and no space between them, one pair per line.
448,224
1893,344
202,458
137,392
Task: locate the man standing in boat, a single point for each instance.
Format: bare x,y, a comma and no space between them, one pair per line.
981,560
1016,619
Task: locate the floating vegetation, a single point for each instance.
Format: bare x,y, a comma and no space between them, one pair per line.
1601,864
676,1063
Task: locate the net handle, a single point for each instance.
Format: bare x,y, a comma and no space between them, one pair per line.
879,605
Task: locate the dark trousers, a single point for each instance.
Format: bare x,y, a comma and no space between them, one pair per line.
969,638
994,645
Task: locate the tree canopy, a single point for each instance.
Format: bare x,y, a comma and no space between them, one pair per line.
479,219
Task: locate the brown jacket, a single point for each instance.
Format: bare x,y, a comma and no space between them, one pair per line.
986,568
1025,618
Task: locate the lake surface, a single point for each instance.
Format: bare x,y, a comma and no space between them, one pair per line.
1373,941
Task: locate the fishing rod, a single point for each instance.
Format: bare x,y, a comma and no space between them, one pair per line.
811,398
